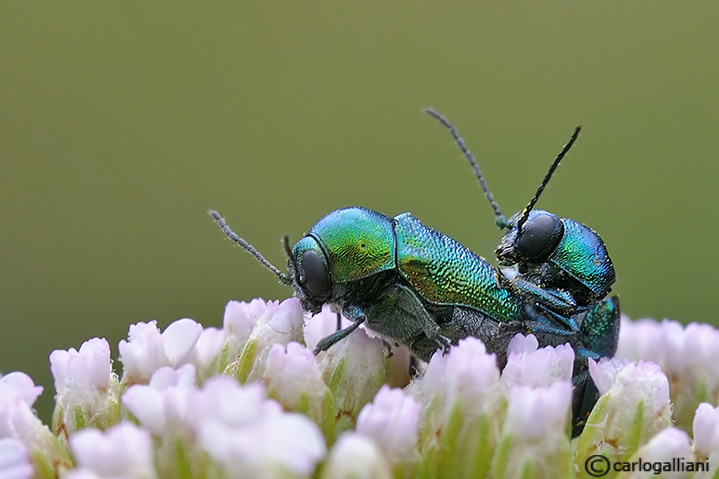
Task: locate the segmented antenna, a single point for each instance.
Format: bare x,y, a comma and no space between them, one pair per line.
290,255
547,177
284,279
499,218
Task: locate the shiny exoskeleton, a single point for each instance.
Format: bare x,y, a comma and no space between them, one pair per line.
423,289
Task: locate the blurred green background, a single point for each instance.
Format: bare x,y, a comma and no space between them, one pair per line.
123,122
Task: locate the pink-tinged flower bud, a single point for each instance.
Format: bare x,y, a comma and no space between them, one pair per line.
355,456
163,406
226,401
123,451
667,454
281,445
148,350
88,368
206,350
534,439
706,430
18,422
87,389
538,414
239,321
20,385
462,409
294,379
354,369
634,406
279,323
392,422
529,366
324,324
687,354
14,460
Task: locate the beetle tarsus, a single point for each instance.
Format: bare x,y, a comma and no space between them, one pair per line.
335,337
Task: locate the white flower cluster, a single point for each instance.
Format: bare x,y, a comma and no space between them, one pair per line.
688,355
252,400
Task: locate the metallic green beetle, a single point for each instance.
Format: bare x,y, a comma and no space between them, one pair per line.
421,288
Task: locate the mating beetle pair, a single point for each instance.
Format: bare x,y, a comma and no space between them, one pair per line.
421,288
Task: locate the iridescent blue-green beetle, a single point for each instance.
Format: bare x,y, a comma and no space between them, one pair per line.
562,264
421,288
564,273
408,282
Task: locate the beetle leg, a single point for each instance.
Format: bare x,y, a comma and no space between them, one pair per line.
600,327
558,300
333,338
409,302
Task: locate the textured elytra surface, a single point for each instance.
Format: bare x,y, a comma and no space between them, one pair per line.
445,272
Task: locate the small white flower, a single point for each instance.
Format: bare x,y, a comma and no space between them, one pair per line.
224,400
706,430
461,408
668,445
522,344
293,378
634,406
87,392
634,382
278,323
274,446
538,414
604,372
123,451
19,385
14,460
18,420
535,431
354,369
240,317
641,339
163,405
467,374
392,421
148,350
208,346
688,355
85,369
527,365
356,457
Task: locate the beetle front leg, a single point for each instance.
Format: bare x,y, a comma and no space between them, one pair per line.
337,336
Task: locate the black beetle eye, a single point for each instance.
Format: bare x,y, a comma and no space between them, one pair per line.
316,277
539,237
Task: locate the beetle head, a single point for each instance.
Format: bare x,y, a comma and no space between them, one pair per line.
534,242
307,268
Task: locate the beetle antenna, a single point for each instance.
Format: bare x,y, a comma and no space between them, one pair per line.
288,251
499,218
284,279
547,177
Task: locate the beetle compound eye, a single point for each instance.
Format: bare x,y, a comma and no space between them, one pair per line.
539,237
316,277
